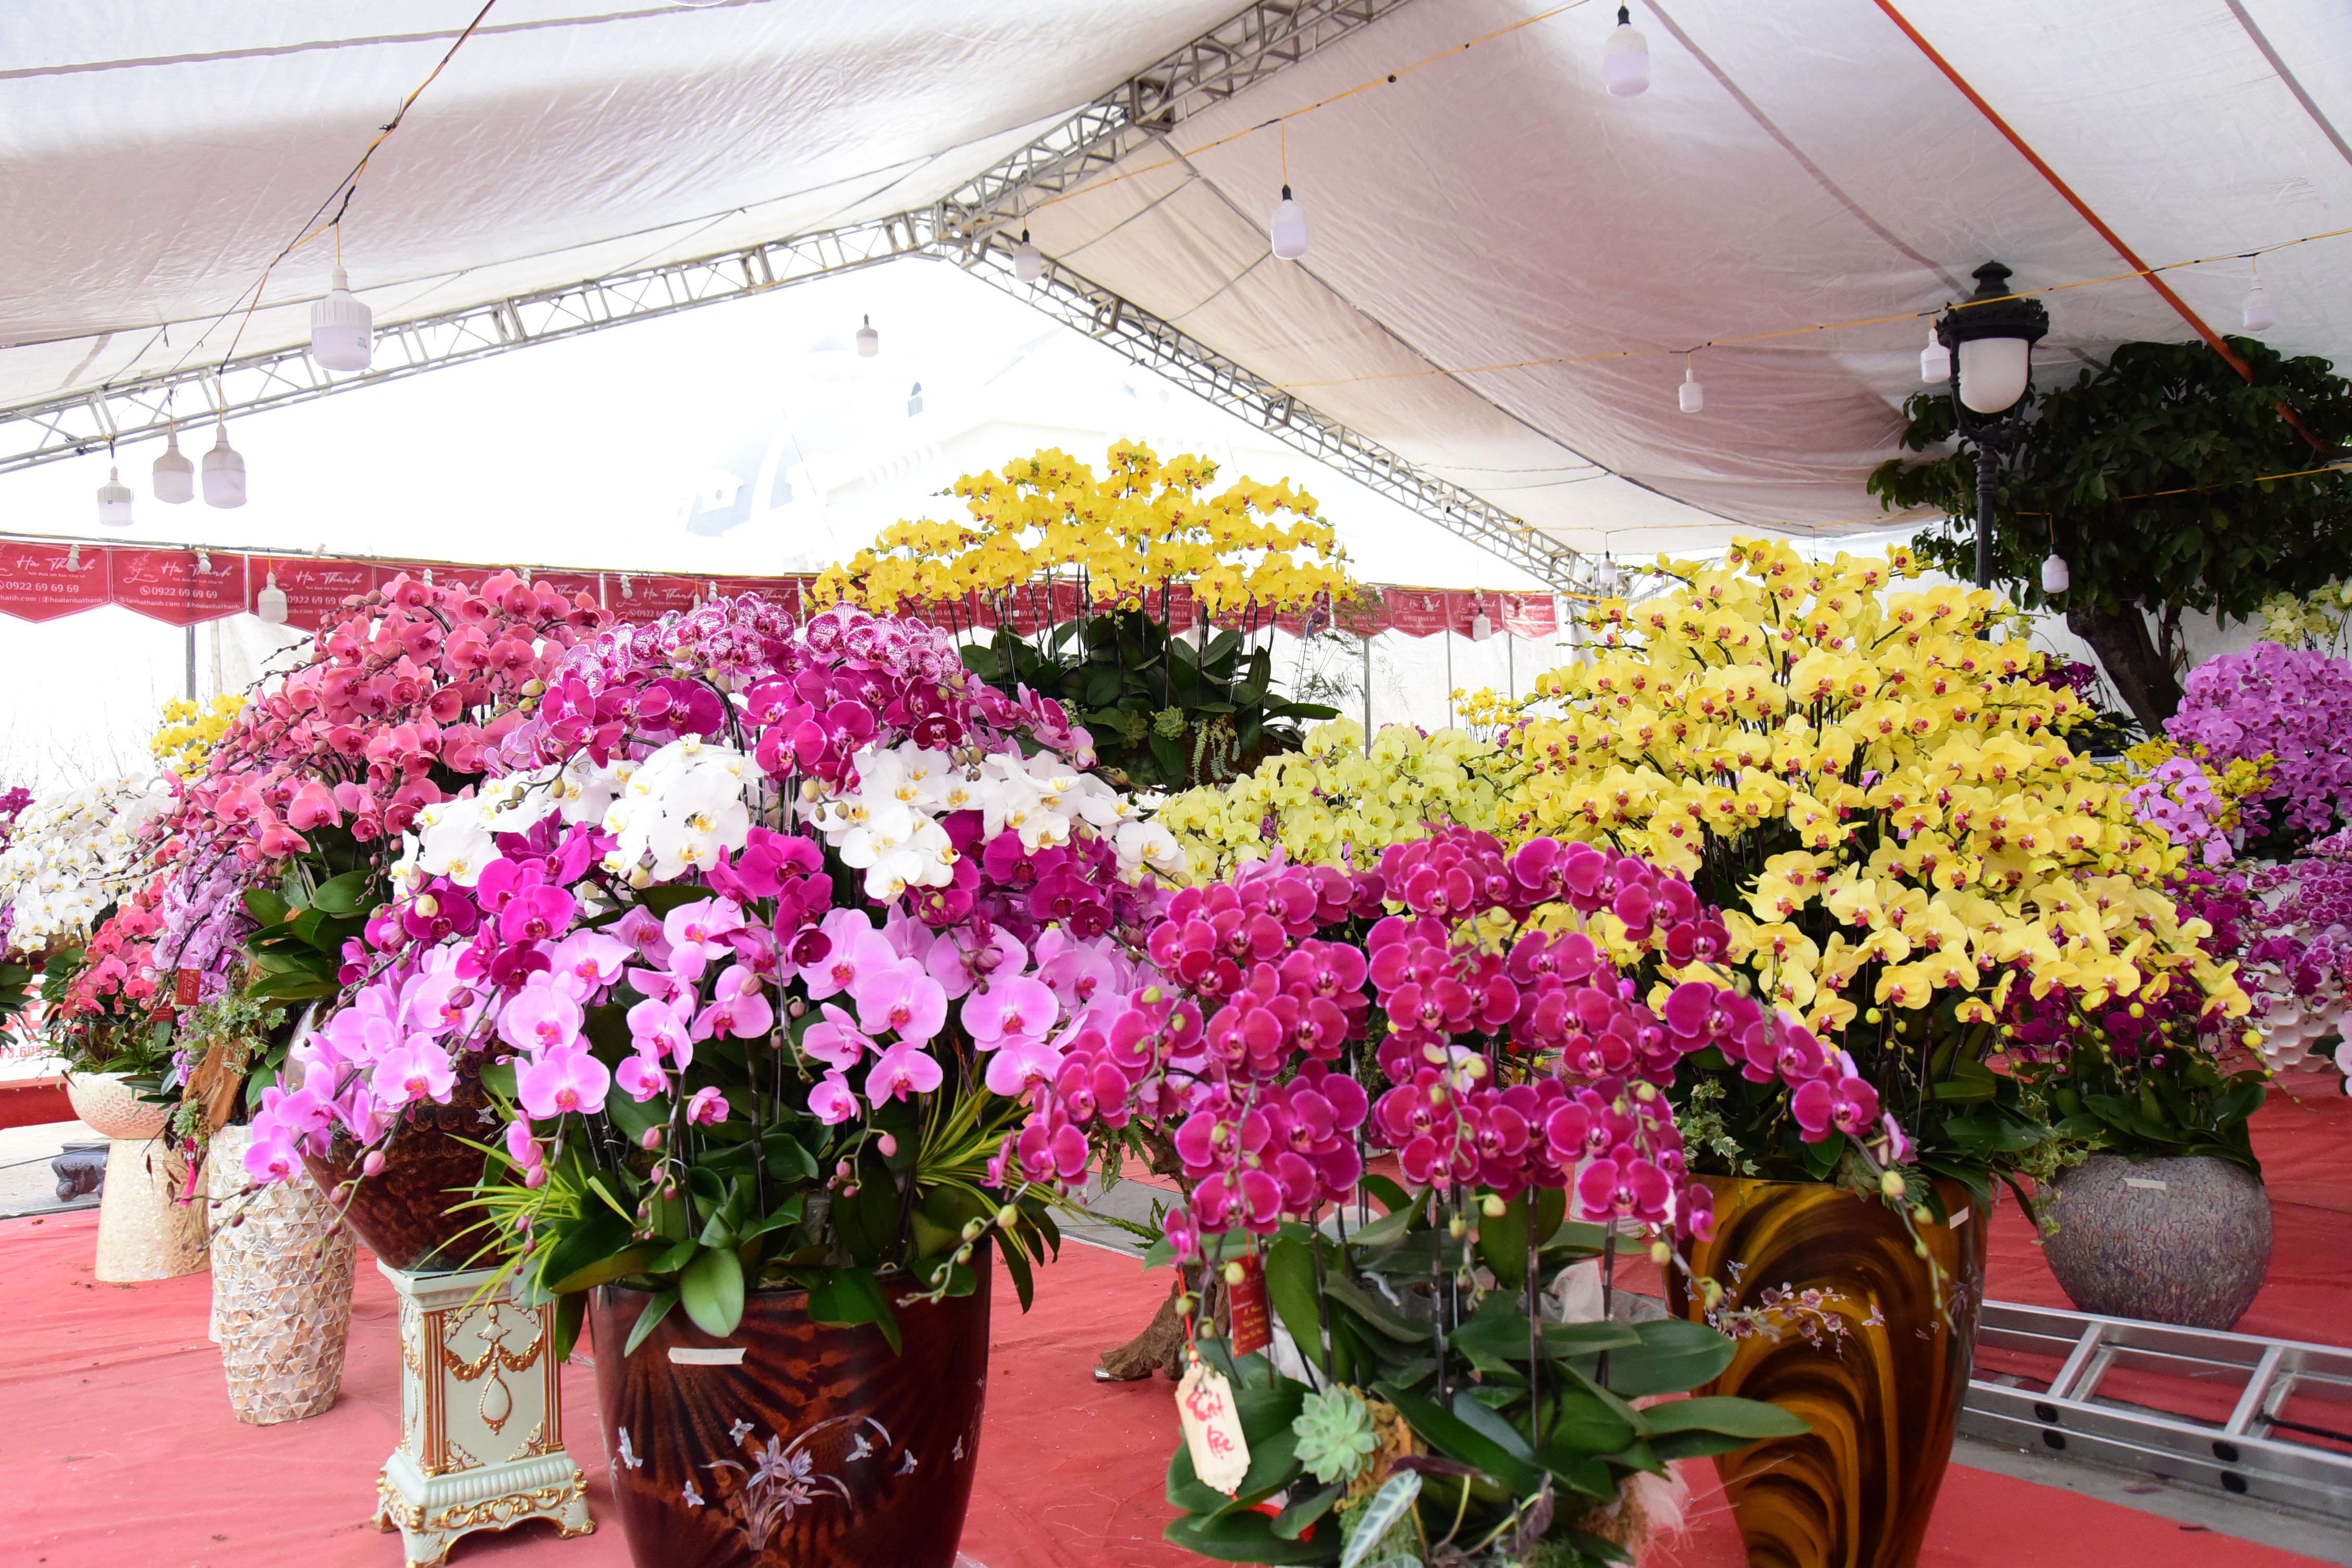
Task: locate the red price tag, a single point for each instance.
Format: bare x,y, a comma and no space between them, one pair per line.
186,987
1252,1330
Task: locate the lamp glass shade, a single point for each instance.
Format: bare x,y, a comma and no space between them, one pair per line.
270,603
342,332
1028,265
2259,317
870,341
114,500
1481,627
1992,373
175,475
1693,395
1625,62
1288,229
2055,577
224,474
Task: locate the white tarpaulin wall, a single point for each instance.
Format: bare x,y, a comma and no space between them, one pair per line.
1790,166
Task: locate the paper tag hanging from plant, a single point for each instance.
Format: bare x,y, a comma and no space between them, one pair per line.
1213,1428
1252,1330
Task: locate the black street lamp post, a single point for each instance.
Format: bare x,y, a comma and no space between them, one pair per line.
1991,336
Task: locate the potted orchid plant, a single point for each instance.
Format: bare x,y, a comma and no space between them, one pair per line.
1410,1394
755,951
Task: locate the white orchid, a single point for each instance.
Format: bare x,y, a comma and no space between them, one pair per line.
75,852
678,808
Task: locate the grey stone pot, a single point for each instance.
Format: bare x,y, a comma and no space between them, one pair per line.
2170,1240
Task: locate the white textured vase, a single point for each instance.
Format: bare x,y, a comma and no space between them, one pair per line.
282,1272
145,1230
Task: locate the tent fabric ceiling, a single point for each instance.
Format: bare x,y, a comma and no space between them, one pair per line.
1788,166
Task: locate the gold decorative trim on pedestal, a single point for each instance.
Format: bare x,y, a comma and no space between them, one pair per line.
464,1380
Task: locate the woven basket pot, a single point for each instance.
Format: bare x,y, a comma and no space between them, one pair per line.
282,1273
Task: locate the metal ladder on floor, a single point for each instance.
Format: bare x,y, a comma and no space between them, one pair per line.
2258,1452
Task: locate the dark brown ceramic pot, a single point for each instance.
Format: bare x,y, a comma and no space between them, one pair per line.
406,1213
817,1448
1880,1377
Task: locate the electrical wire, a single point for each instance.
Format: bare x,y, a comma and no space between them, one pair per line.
345,189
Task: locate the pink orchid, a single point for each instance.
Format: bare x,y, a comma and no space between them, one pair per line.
856,947
640,1074
539,1019
564,1079
641,929
835,1039
272,1158
706,1107
416,1069
586,961
739,1010
903,1067
697,933
1021,1061
833,1102
537,914
665,1030
1020,1008
902,999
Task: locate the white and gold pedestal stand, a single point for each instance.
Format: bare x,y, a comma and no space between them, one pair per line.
481,1432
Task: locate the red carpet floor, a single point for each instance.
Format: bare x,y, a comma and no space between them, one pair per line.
120,1451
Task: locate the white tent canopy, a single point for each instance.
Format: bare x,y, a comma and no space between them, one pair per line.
1789,167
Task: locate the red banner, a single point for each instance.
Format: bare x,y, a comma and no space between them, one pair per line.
315,588
1528,615
1425,612
632,596
42,582
783,593
179,587
571,585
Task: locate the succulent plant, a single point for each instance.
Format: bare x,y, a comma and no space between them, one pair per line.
1335,1435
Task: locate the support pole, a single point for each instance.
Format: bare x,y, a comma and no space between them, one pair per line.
1987,474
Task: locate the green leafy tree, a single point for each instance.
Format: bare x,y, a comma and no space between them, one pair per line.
2149,477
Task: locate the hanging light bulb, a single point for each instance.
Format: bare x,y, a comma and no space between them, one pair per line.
2055,578
114,500
1481,628
270,603
2259,316
342,335
1028,264
870,341
1691,395
224,473
1608,581
1934,360
1625,62
175,477
1288,228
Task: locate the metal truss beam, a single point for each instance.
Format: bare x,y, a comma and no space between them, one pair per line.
966,226
1158,346
136,409
1268,36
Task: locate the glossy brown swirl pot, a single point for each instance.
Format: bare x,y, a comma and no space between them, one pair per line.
405,1213
820,1449
1880,1379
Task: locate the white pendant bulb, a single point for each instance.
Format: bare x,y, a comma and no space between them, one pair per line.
1287,230
270,603
2259,316
870,341
224,473
1481,628
175,475
114,500
1693,395
1625,61
2055,577
1934,360
342,331
1028,265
